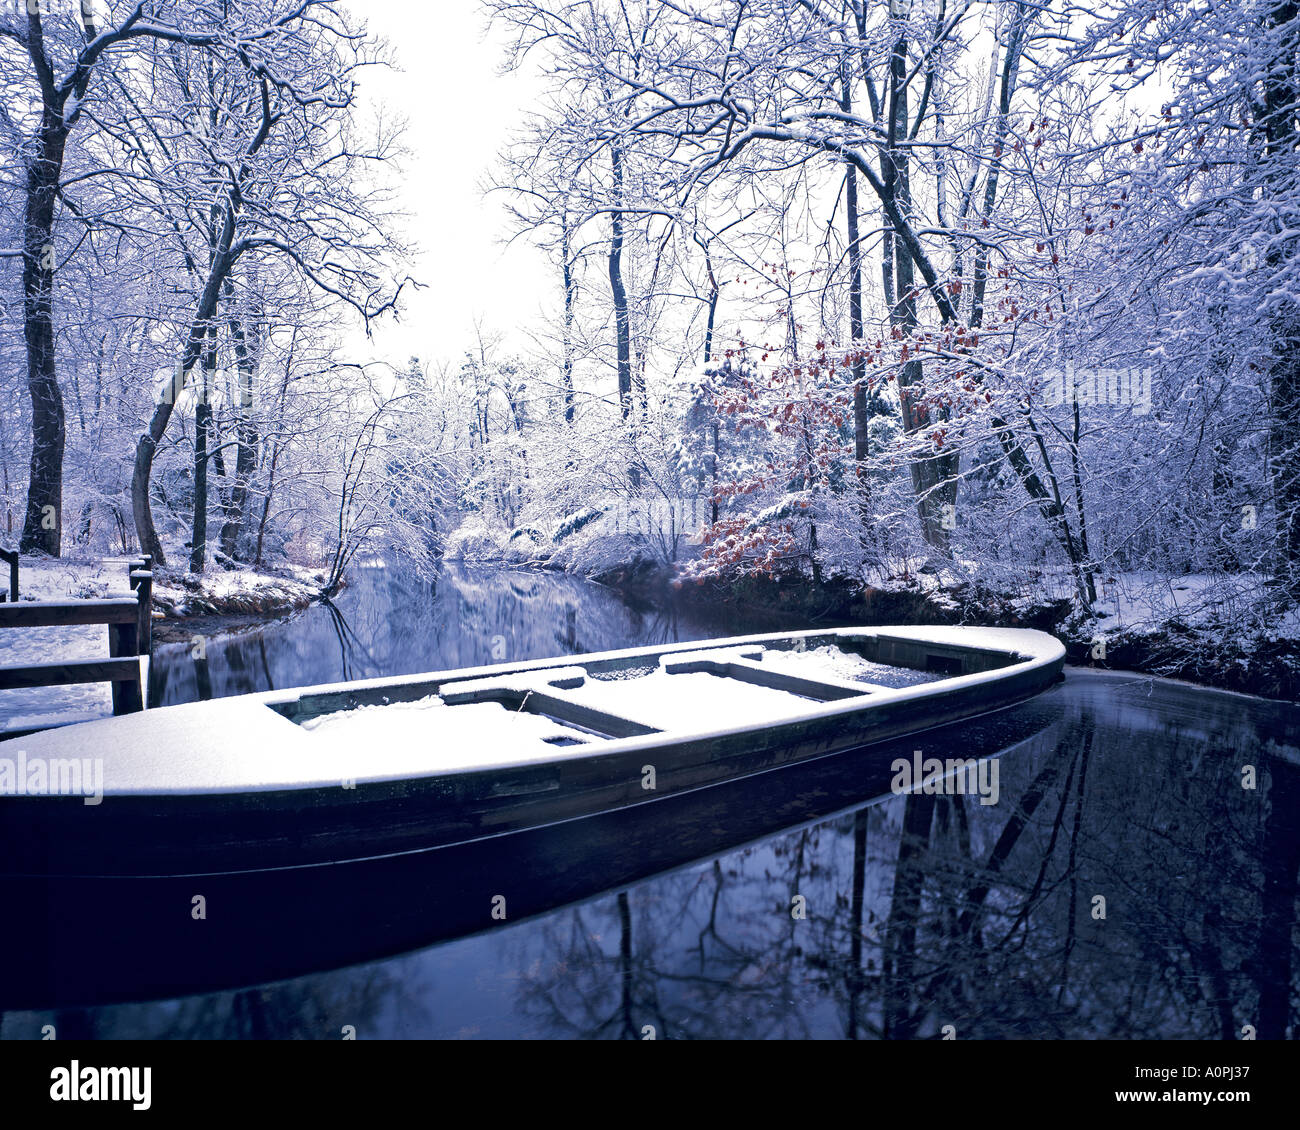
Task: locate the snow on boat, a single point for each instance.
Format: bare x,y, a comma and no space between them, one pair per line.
362,769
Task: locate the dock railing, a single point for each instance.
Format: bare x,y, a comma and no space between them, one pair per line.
130,638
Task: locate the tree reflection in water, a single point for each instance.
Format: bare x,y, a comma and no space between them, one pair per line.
928,911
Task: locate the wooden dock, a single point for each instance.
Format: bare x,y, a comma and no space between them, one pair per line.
129,620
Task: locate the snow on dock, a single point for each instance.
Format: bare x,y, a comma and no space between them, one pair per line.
43,580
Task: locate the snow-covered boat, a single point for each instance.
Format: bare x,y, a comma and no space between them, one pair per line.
356,770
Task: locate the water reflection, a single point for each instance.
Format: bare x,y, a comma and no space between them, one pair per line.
922,911
389,623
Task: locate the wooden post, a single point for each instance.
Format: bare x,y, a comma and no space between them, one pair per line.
11,556
144,593
142,583
123,640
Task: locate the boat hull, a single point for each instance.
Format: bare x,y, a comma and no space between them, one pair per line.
95,941
217,831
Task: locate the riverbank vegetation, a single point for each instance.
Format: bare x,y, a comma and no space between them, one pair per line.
989,307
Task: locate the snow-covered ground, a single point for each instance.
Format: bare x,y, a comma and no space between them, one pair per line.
1145,600
243,592
1131,601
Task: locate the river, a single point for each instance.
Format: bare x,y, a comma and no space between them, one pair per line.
387,622
1136,878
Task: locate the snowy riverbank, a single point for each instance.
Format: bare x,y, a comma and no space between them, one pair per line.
1219,629
1214,630
223,602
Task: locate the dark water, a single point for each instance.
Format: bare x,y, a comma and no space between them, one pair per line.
389,623
1124,886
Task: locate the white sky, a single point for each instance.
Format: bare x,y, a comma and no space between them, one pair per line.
460,112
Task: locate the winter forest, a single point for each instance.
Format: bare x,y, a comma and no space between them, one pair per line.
989,302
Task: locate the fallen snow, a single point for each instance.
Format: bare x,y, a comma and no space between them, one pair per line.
1145,600
235,592
832,662
444,732
693,701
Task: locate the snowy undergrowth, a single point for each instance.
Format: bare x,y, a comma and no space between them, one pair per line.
238,592
1223,630
588,543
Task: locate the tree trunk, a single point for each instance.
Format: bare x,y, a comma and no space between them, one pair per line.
708,329
202,430
934,478
43,522
713,474
622,319
147,446
246,438
622,323
714,294
569,289
199,533
861,403
145,450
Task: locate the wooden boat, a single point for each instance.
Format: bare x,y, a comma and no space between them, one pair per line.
272,925
358,770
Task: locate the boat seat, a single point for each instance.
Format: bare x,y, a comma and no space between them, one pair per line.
541,692
534,692
745,664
